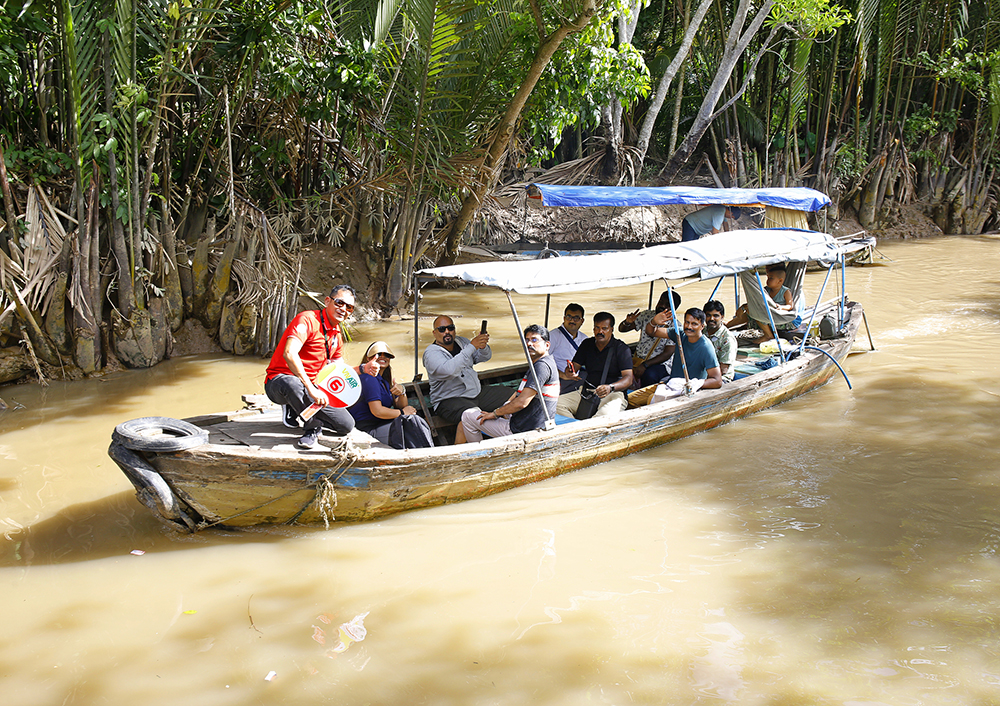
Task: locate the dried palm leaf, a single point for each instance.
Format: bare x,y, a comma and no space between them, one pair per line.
43,243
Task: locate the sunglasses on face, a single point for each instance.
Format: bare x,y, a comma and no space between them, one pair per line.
442,329
343,305
574,319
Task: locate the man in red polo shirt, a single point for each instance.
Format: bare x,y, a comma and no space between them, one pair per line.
312,340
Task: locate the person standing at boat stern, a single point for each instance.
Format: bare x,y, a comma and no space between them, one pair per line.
523,410
564,341
454,383
608,362
312,340
707,221
383,409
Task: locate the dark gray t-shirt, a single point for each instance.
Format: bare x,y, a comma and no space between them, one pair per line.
533,416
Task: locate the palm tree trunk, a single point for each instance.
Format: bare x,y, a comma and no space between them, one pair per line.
736,44
126,293
649,121
505,129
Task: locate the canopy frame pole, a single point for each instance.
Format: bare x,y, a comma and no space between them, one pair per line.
548,301
652,284
736,290
843,290
679,348
717,285
416,327
812,317
549,421
770,317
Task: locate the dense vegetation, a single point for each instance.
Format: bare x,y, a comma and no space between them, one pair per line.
164,160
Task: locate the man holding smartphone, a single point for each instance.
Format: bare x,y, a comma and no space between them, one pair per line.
455,385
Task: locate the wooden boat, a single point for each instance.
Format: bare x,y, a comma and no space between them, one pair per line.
241,469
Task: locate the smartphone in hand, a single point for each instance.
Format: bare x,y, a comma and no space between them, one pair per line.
483,328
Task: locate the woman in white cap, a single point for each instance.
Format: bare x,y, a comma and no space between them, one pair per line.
383,410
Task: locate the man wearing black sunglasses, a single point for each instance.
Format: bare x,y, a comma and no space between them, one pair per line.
455,385
312,340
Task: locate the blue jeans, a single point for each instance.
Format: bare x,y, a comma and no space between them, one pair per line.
653,374
289,390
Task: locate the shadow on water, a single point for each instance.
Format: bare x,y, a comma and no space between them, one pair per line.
114,395
114,526
872,539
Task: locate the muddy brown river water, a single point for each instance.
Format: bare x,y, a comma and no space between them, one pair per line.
841,548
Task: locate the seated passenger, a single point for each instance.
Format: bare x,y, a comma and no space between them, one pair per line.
382,409
699,359
781,300
608,362
649,363
722,339
563,344
454,384
523,411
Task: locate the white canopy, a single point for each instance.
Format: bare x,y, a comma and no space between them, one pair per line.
707,258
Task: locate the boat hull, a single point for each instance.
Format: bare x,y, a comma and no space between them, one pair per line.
240,485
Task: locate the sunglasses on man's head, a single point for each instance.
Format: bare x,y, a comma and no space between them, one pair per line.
449,327
344,305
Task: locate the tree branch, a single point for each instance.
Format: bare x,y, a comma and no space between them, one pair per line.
536,12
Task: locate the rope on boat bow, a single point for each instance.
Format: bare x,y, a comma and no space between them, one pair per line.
325,496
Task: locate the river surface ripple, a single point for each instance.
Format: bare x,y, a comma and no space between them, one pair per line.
839,549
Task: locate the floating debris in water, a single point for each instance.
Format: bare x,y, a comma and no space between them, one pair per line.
353,631
270,676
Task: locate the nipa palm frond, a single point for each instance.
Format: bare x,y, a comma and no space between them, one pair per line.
43,243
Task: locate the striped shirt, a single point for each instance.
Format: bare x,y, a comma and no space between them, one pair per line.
533,416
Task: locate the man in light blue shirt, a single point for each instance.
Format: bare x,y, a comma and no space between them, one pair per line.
563,343
706,221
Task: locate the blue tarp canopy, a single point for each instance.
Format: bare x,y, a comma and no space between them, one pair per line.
797,199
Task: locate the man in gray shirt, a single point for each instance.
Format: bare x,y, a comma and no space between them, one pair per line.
455,385
523,410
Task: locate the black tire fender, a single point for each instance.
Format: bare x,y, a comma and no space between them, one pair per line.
159,434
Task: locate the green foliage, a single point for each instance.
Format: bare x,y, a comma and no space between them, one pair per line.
978,72
975,71
22,24
926,123
590,70
809,17
850,162
38,163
